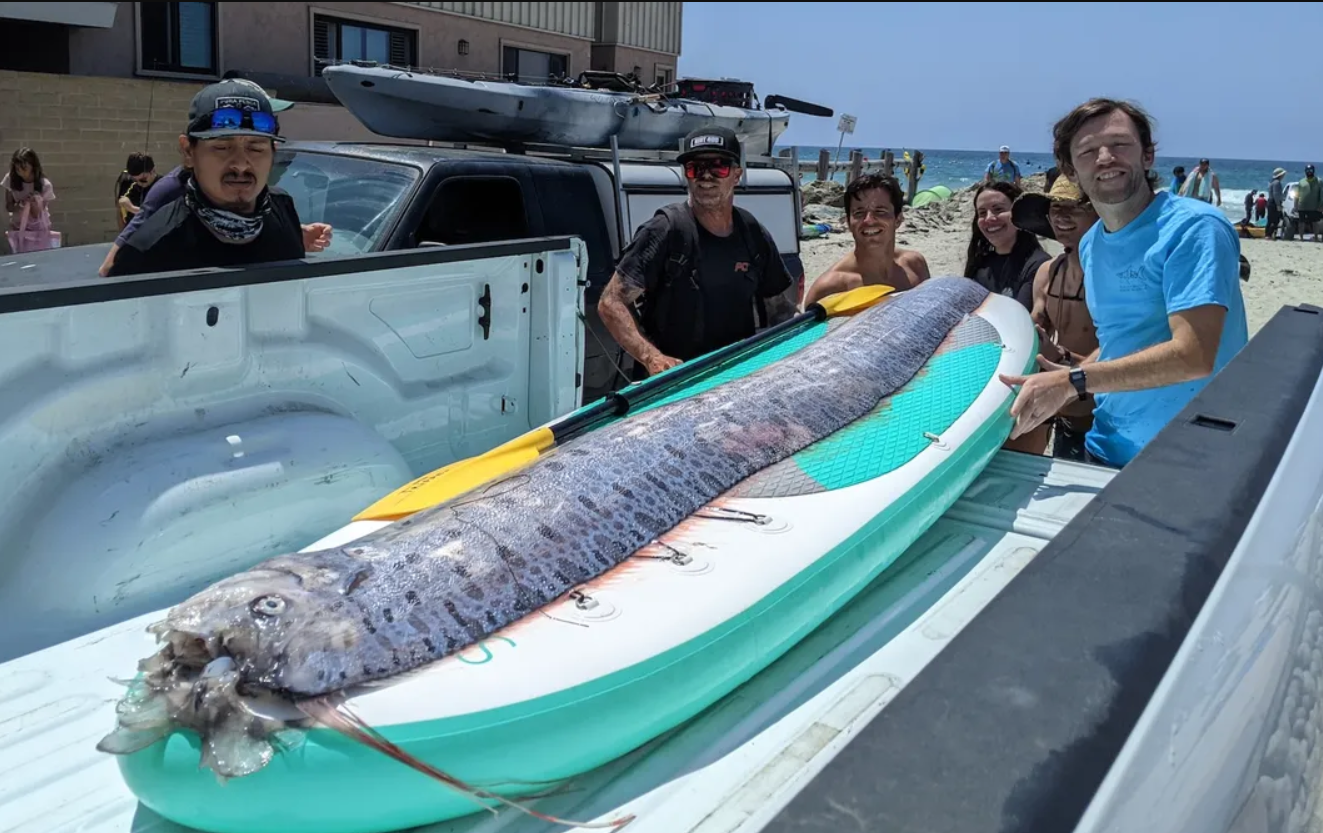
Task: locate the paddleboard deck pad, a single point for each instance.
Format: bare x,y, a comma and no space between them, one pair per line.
691,614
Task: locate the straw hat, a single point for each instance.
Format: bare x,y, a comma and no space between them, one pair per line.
1030,211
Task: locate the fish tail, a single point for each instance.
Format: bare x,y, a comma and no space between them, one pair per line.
351,726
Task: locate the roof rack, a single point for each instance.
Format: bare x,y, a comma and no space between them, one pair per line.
614,154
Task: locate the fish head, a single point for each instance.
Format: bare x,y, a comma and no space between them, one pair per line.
261,618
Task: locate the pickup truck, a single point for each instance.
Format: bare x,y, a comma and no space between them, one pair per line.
1067,648
382,197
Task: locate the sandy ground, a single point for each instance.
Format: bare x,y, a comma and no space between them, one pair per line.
1282,273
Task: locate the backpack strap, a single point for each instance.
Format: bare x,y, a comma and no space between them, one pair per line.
681,244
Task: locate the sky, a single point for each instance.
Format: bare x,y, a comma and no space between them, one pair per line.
1225,80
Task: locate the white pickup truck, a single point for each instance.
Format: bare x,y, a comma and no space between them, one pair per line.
1068,648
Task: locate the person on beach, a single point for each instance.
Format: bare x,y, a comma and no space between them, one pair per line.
1065,329
699,270
28,195
1003,169
131,187
1276,202
1177,179
170,187
874,209
1309,203
1161,279
227,216
1202,185
1001,257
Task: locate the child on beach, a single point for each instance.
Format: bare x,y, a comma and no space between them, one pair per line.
28,194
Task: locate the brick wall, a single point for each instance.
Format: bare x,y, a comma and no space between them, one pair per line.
83,129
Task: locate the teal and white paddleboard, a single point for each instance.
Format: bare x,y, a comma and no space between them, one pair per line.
651,643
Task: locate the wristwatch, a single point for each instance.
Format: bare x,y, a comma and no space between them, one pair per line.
1077,379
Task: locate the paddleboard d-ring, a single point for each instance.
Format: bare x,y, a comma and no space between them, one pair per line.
936,441
584,608
685,563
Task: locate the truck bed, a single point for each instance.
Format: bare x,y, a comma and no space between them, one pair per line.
729,769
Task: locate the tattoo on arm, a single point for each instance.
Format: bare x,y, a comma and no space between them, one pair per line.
613,307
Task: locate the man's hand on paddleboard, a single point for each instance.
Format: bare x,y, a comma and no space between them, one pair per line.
1041,395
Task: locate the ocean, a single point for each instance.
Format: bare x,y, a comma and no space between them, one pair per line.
957,169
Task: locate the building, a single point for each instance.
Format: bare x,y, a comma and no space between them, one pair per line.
203,40
85,84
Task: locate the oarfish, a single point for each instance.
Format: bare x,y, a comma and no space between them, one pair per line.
299,627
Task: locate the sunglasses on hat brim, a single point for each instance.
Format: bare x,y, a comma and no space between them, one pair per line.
229,118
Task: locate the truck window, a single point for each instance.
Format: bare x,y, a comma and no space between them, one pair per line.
359,198
475,209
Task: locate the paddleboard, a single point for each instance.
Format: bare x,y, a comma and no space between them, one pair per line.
651,643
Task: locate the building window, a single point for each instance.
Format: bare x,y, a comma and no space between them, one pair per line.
179,38
532,66
335,40
665,76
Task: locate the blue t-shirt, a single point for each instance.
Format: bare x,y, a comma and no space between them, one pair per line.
1176,255
1003,171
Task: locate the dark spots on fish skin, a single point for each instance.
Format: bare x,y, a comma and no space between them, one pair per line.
623,491
492,621
411,596
474,592
549,533
562,578
673,451
591,505
387,615
673,471
344,675
552,465
460,569
509,556
618,525
451,642
430,646
656,481
711,481
455,614
645,520
412,558
367,623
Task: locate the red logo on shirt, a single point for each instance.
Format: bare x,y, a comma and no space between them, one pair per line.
741,266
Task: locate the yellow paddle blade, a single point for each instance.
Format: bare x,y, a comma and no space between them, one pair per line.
854,300
459,477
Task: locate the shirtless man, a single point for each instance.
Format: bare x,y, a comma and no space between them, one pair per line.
1065,328
873,210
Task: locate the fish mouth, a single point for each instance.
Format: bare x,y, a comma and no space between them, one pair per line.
191,683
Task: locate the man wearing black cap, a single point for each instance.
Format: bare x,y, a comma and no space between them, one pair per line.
700,268
227,215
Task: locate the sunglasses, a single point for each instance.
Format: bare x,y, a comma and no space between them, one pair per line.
230,118
718,167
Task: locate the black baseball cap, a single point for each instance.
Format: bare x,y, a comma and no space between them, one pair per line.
719,140
233,94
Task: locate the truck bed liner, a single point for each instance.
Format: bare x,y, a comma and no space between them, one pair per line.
727,770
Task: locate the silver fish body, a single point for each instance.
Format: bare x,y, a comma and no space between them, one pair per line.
301,626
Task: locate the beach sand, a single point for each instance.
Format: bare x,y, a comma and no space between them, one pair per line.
1282,273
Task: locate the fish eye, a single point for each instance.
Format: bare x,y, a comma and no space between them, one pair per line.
268,606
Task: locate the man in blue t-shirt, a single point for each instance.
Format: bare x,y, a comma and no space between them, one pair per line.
1162,278
1003,170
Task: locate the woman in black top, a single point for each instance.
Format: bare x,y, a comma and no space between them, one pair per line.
1003,258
